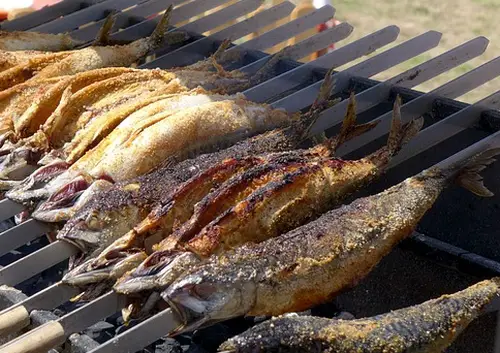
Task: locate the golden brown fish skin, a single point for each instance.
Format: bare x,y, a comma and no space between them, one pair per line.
429,327
103,218
9,59
19,41
21,73
96,57
311,264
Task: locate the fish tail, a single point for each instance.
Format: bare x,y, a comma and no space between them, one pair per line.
400,134
156,38
349,128
468,175
303,126
102,37
267,70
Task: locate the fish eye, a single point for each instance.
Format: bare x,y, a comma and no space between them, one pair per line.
93,222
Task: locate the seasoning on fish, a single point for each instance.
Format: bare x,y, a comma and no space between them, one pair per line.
300,187
430,327
17,41
120,208
26,107
93,57
311,264
96,108
9,59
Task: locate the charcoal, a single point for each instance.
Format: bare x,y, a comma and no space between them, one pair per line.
194,348
168,345
101,331
344,315
80,344
9,296
40,317
328,310
210,338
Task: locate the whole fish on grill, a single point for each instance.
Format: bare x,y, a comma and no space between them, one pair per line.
93,57
86,117
113,212
25,108
20,40
429,327
10,59
296,188
311,264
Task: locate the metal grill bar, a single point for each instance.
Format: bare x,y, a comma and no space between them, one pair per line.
126,18
367,68
447,128
79,18
307,46
211,21
46,14
36,262
410,78
22,234
291,29
193,52
339,57
422,104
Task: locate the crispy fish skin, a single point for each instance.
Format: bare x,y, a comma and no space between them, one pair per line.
310,186
95,57
430,327
21,73
19,41
115,211
9,59
311,264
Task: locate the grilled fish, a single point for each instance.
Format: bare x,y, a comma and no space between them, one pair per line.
18,41
295,189
27,107
114,212
311,264
10,59
430,327
97,109
94,57
125,253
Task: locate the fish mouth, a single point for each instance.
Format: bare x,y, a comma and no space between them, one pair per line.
63,204
157,272
102,269
36,186
190,313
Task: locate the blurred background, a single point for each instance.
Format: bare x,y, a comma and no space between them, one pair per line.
458,20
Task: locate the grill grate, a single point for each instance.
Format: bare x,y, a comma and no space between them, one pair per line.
293,88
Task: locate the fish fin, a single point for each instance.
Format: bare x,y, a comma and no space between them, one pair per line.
469,178
303,126
349,128
102,37
400,134
156,38
267,70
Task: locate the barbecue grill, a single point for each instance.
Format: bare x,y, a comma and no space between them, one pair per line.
457,241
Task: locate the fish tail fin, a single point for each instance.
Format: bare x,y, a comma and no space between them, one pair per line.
468,175
157,37
400,134
267,70
349,128
102,37
302,127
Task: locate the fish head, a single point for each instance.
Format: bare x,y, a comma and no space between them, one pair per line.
109,266
206,296
157,272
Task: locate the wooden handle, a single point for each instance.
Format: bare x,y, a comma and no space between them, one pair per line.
14,320
38,340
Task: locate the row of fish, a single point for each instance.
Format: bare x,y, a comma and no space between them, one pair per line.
180,192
